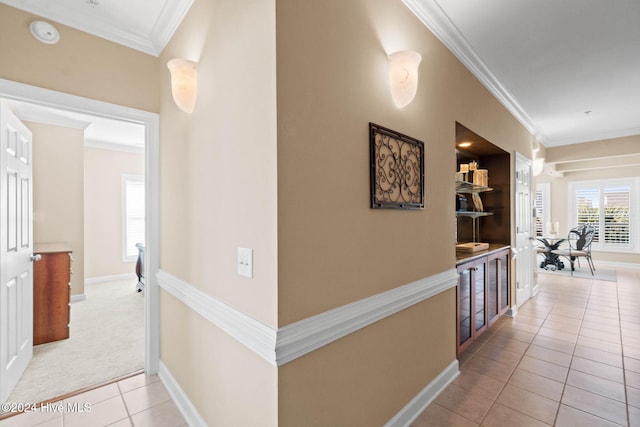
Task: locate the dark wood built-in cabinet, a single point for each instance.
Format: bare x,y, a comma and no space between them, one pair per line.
483,292
483,228
51,292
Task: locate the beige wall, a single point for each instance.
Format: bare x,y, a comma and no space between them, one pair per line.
294,186
103,170
334,249
218,187
58,192
80,64
615,148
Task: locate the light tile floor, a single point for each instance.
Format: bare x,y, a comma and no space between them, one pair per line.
571,357
137,401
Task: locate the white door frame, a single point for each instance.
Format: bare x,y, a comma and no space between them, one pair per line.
49,98
525,261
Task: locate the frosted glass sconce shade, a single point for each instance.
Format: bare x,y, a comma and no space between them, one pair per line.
184,83
403,76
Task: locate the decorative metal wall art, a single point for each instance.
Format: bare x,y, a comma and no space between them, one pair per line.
397,169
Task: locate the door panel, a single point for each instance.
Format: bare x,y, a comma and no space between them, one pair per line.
524,229
16,238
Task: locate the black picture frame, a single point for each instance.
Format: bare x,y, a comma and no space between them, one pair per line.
397,169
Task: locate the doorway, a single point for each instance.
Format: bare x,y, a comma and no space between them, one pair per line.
525,232
150,121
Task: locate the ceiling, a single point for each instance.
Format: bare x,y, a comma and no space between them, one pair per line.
568,70
144,25
99,132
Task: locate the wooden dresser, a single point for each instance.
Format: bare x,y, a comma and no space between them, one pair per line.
51,292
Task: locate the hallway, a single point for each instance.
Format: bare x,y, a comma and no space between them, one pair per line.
571,357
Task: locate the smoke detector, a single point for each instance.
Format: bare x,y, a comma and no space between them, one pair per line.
44,32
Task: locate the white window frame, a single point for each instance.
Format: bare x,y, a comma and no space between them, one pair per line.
545,189
634,216
125,180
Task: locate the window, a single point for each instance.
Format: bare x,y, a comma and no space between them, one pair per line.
611,206
132,215
542,207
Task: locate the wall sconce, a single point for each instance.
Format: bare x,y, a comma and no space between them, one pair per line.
184,83
403,76
538,166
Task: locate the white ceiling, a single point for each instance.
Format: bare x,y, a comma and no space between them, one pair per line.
145,25
99,132
550,62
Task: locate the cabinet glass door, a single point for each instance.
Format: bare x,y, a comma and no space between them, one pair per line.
492,288
504,281
464,305
479,301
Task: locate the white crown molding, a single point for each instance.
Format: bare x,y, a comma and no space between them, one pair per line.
419,403
599,136
168,23
292,341
152,44
307,335
113,146
436,20
50,118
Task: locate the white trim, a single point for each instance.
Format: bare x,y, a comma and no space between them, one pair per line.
124,180
50,118
545,189
77,298
101,279
113,146
436,20
314,332
167,23
153,43
634,218
419,403
252,333
292,341
633,265
151,121
180,398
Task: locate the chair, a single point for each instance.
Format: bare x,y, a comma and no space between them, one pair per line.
579,239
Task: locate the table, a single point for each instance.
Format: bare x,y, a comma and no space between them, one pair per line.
551,261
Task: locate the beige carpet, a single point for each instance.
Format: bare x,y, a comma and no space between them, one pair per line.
106,342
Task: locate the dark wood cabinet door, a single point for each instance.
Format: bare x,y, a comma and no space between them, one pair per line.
51,295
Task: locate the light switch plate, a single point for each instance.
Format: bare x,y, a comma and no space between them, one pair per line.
245,262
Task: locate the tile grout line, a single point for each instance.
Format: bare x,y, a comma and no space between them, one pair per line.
573,352
624,371
495,402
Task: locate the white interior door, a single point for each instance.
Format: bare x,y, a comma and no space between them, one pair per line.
524,229
16,249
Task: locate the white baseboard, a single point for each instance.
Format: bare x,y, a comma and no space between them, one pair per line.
180,398
101,279
634,265
414,408
77,298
